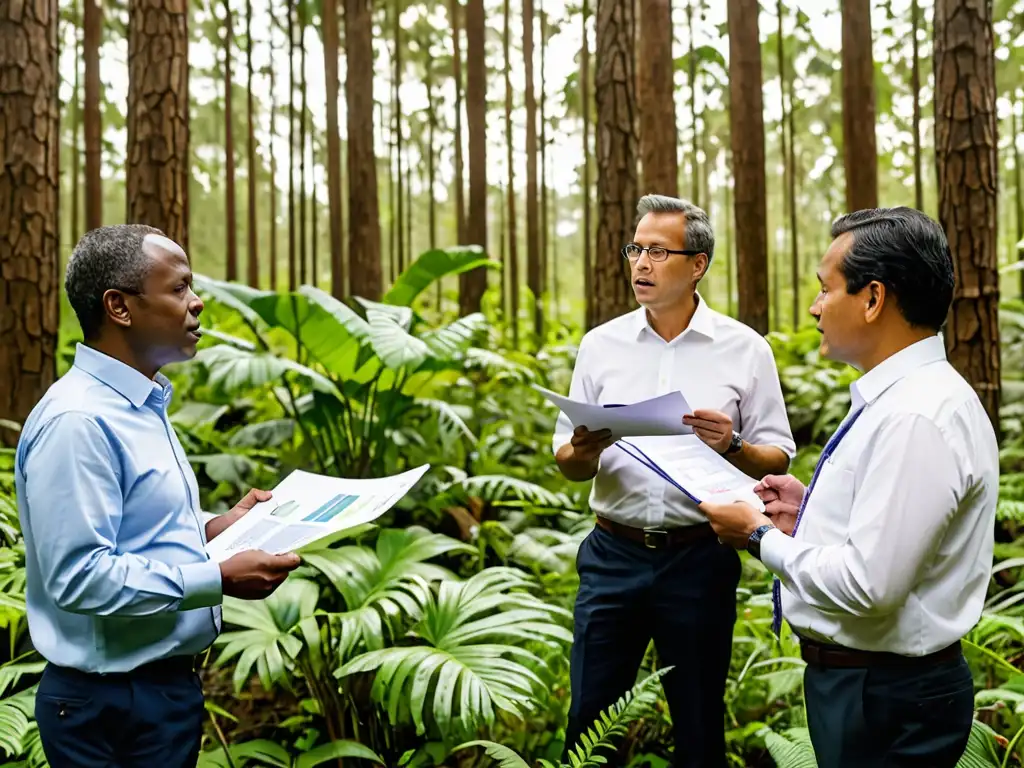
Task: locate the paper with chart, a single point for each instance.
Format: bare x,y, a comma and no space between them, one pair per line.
307,507
662,415
694,468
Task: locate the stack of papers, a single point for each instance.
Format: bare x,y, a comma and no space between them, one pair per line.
308,508
661,415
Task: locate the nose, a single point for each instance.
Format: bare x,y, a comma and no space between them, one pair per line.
196,305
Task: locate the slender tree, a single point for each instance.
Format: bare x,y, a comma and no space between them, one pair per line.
336,226
534,274
658,138
273,167
588,258
915,86
293,271
253,258
230,224
92,22
473,284
30,191
396,116
454,11
510,192
76,117
304,278
858,73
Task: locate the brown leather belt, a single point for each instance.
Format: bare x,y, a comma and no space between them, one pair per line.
825,655
658,538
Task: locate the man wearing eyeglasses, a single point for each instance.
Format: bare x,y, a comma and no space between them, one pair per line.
652,568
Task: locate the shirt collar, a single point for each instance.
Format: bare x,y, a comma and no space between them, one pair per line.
702,322
868,387
122,378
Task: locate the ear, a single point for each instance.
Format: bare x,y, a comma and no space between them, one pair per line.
700,266
116,307
874,297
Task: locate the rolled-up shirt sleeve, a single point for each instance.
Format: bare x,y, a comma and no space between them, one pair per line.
763,408
74,496
900,513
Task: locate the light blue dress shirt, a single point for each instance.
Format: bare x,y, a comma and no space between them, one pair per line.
116,565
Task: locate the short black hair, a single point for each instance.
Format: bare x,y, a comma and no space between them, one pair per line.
907,252
105,258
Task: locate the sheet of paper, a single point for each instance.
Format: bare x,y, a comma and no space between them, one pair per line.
307,507
694,467
662,415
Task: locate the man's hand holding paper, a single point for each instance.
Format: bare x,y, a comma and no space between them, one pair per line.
782,496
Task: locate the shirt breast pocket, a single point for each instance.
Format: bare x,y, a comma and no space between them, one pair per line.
827,515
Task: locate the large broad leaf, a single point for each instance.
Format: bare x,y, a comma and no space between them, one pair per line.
235,369
394,345
793,752
258,752
234,295
453,341
335,750
506,757
433,265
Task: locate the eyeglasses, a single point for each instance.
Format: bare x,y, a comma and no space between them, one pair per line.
655,253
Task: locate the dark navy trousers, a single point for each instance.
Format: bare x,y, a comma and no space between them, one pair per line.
684,599
121,720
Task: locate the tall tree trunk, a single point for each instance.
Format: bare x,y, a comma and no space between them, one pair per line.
794,237
76,118
746,123
431,159
858,72
392,200
695,163
534,275
543,155
729,239
92,33
230,224
29,217
408,213
158,151
454,10
273,167
775,312
331,50
314,270
1019,190
303,116
658,142
473,284
253,249
363,214
397,117
588,258
968,173
293,267
617,149
915,86
513,247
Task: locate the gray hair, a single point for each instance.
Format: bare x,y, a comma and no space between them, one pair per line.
698,233
105,258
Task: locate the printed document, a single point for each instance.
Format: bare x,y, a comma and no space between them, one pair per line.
307,507
662,415
694,468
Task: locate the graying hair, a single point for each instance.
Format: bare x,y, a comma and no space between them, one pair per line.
698,234
105,258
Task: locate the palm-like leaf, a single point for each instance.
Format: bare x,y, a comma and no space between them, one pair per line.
237,369
394,345
506,757
453,341
502,489
431,266
792,750
474,661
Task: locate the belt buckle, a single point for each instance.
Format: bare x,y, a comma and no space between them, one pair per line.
655,538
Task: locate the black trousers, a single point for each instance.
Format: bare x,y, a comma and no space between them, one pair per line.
682,598
119,720
890,717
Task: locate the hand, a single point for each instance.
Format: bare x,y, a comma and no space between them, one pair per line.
713,427
782,496
254,574
218,524
587,445
734,522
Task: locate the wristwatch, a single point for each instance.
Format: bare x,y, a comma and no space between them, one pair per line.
736,444
754,542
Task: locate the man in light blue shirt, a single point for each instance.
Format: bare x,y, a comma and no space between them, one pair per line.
121,593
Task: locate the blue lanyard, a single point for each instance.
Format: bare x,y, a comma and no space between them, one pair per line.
826,454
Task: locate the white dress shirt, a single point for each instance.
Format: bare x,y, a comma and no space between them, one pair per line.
717,363
894,549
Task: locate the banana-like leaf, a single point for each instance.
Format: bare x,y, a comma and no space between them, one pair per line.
498,366
450,422
394,345
235,369
981,749
265,434
335,750
432,266
234,295
258,752
451,342
499,488
506,757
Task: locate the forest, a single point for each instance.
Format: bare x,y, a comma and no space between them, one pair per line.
402,215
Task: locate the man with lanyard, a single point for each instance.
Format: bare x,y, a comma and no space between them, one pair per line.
884,560
652,567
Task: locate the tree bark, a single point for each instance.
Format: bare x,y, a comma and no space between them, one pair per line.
293,271
76,119
858,73
304,276
158,148
273,168
397,117
543,238
454,8
617,149
588,258
747,129
1019,189
230,210
30,191
253,258
431,158
92,22
534,275
510,193
473,284
968,173
363,215
658,142
331,51
695,162
915,86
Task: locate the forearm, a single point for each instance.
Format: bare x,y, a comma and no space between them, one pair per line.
759,460
573,468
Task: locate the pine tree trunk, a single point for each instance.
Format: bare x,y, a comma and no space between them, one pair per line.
543,156
76,118
29,216
158,150
617,149
303,116
968,173
534,275
695,162
747,131
92,22
253,262
408,213
858,72
588,258
273,168
729,239
473,284
454,10
230,223
915,86
363,209
513,247
431,159
658,141
1019,190
293,267
397,116
331,51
